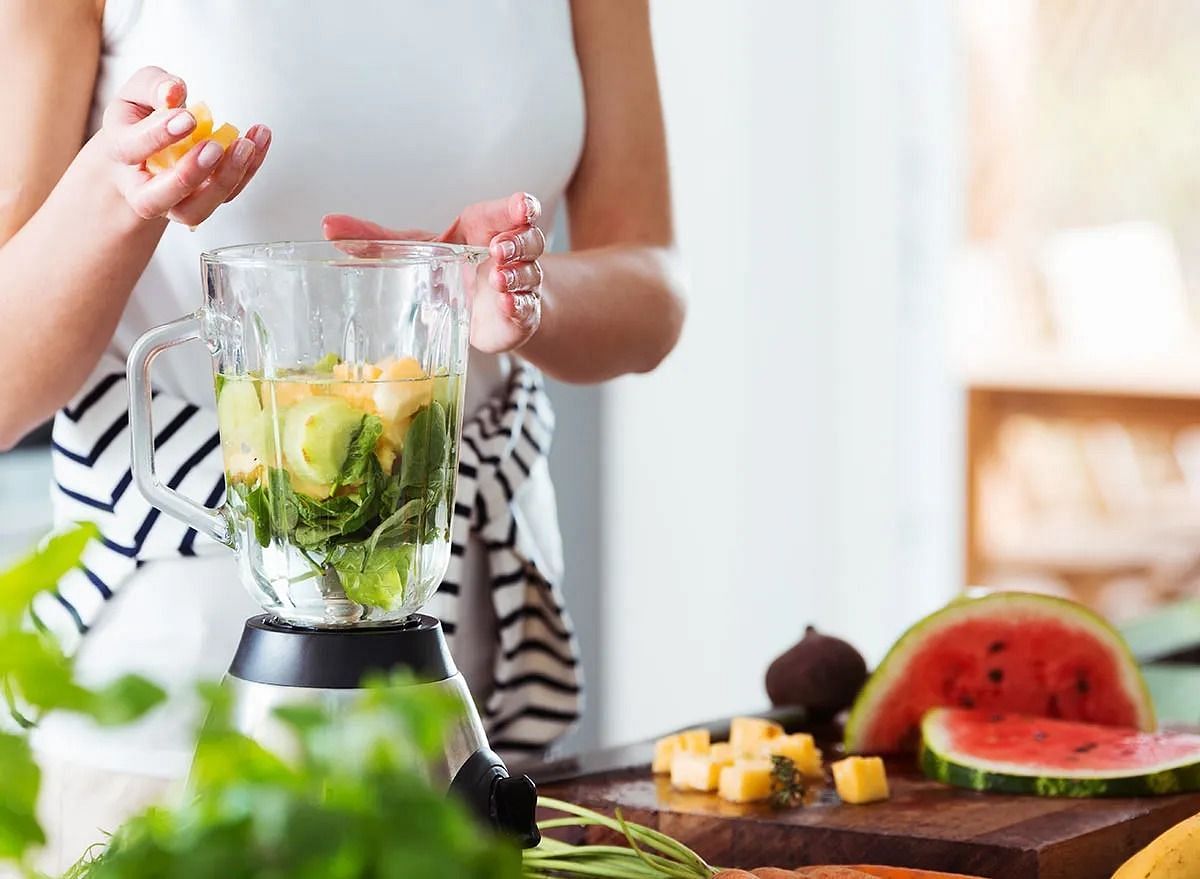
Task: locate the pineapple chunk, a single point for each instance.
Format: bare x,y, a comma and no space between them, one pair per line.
696,740
204,122
665,749
799,748
860,780
722,751
745,781
694,771
225,136
747,733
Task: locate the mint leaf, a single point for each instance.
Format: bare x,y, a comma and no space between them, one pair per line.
361,452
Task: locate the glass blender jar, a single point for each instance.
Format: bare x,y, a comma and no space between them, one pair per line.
339,372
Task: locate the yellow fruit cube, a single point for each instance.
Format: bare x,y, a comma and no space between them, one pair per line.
225,136
204,122
799,748
860,780
722,751
745,781
168,156
746,733
665,749
694,771
695,740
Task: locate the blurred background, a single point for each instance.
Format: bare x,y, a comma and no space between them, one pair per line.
944,262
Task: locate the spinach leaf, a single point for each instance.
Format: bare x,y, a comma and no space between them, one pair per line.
258,509
283,506
426,450
361,452
376,577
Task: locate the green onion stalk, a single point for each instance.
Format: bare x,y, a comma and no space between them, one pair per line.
649,855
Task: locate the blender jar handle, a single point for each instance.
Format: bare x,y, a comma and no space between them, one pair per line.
213,522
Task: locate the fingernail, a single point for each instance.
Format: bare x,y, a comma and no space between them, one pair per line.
181,123
210,154
242,151
262,137
510,278
508,249
533,207
164,90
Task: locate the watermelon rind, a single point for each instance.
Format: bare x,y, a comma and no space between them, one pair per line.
940,762
891,671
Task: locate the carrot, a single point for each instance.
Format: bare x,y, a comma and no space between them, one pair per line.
906,873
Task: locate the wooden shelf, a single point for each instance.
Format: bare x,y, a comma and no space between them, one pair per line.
1052,373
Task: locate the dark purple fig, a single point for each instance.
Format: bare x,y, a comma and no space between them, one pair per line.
820,673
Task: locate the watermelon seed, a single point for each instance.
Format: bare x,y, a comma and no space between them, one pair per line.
1039,735
1082,685
966,701
1084,748
996,646
996,675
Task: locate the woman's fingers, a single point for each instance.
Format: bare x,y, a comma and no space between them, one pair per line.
479,223
155,196
132,144
337,227
517,277
260,136
149,89
524,245
229,174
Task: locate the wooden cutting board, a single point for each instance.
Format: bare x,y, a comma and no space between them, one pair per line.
924,824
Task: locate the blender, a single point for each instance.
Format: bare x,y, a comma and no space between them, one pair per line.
339,371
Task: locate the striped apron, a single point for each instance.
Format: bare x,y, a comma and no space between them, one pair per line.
505,501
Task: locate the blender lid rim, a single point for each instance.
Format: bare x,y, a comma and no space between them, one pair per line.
292,252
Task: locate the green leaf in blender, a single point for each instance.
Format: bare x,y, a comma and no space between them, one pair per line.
425,452
316,437
361,452
326,364
374,577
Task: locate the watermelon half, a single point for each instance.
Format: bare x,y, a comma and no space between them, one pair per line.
1017,754
1009,652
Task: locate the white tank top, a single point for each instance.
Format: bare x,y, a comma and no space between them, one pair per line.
402,112
399,111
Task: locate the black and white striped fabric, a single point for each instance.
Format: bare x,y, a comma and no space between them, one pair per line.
504,499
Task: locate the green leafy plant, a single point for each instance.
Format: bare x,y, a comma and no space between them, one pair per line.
37,677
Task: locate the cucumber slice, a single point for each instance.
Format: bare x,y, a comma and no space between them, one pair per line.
243,428
316,437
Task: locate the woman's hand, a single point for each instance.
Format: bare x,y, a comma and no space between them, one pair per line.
148,115
508,309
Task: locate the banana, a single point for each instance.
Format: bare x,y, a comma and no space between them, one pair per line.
1174,855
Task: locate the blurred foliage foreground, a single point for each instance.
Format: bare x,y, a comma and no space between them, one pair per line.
354,804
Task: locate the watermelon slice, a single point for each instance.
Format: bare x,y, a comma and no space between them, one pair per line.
1017,754
1006,652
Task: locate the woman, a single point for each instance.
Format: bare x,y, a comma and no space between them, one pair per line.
402,113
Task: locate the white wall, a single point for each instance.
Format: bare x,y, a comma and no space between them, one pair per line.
796,459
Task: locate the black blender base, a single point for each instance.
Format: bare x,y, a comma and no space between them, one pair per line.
505,802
